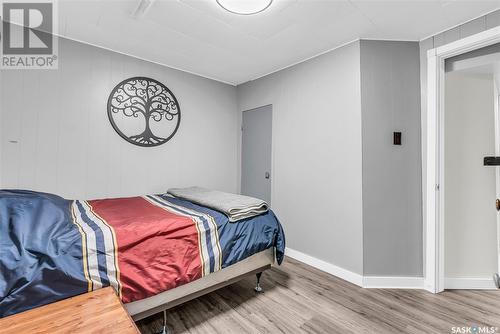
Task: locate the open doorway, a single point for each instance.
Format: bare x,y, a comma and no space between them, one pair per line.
462,52
470,134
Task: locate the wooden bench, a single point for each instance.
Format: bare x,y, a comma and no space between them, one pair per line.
100,311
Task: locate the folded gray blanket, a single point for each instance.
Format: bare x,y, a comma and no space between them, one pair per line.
236,207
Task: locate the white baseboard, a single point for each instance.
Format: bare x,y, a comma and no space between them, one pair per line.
472,283
365,282
326,267
389,282
393,282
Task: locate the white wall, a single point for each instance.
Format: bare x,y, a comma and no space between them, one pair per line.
67,146
470,215
317,153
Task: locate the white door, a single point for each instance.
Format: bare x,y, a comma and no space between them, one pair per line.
256,150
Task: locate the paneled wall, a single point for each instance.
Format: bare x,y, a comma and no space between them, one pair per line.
317,153
56,137
346,195
392,197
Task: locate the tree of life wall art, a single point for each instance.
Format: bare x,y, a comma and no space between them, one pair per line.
143,111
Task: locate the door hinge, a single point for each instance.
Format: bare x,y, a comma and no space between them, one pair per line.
437,187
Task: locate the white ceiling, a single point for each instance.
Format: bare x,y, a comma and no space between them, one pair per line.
200,37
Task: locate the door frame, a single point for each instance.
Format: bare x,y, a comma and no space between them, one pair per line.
433,152
240,156
497,169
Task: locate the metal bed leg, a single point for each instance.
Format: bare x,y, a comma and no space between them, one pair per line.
165,328
258,288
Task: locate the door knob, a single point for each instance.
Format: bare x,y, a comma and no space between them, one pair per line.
267,175
498,204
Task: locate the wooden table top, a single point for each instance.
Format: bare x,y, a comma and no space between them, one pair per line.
100,311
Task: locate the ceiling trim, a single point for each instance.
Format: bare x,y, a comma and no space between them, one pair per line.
458,25
301,61
389,39
234,84
148,60
368,39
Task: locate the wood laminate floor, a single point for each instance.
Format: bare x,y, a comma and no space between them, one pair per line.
301,299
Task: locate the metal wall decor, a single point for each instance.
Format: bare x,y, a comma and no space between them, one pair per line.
143,111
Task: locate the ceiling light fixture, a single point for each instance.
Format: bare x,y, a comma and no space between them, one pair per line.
245,7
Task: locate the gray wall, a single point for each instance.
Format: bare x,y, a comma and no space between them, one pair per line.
467,29
316,153
392,204
66,145
332,132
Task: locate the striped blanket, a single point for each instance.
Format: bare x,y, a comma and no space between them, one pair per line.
55,248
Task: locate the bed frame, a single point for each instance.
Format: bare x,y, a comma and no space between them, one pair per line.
254,264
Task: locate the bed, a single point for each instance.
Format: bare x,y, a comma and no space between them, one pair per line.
156,251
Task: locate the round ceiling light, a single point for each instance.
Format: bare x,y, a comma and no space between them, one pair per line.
245,7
